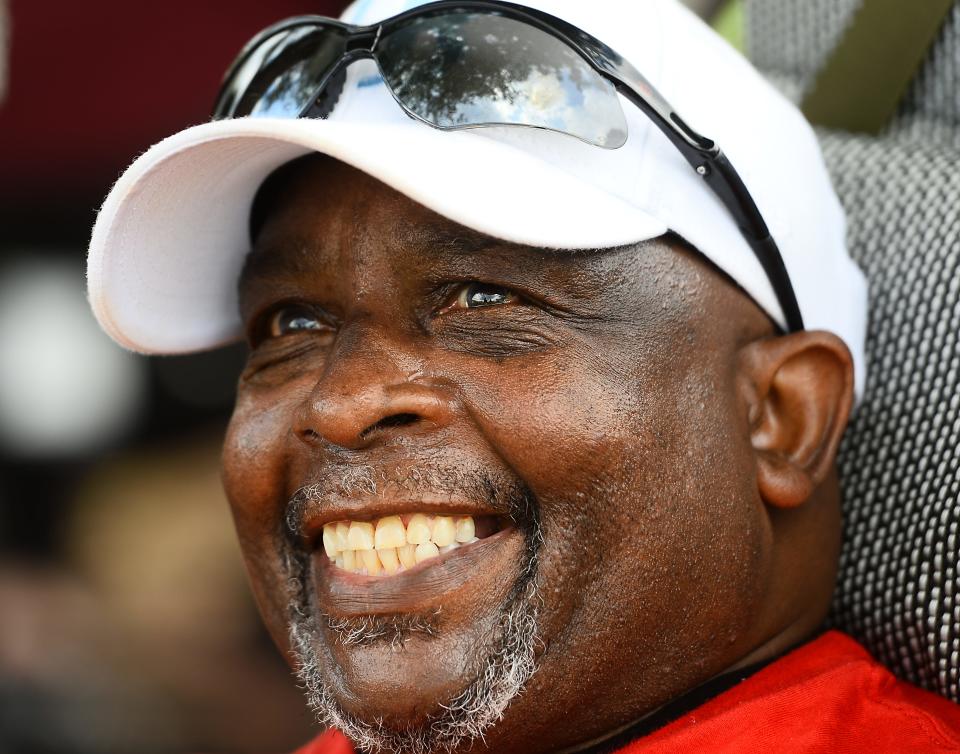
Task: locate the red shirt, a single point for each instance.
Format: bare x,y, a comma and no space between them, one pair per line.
827,696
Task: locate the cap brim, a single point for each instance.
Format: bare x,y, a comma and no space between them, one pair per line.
170,240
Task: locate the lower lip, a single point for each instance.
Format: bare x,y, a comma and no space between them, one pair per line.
344,594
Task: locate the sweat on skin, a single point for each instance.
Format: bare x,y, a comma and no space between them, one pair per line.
647,464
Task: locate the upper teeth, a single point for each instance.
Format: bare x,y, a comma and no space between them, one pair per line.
387,546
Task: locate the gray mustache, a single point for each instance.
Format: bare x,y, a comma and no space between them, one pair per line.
507,496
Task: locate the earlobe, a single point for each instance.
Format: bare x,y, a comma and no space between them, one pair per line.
799,392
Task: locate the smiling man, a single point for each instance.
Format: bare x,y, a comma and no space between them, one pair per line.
499,458
534,449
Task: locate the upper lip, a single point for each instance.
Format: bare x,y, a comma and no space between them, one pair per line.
322,512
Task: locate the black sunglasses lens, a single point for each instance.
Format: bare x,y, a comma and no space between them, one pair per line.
459,69
251,59
289,73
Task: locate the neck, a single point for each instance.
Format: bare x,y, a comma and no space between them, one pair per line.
764,655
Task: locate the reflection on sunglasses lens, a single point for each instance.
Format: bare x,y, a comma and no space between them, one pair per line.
468,69
292,76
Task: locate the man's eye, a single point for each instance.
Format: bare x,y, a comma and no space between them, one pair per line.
475,295
292,319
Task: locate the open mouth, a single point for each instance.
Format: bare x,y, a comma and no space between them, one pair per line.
393,544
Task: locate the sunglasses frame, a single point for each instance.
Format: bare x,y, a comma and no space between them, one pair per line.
702,153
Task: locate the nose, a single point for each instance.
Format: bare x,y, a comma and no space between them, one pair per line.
365,396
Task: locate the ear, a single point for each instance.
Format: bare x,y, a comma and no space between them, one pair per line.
799,392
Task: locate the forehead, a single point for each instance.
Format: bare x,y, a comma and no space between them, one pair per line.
320,187
320,214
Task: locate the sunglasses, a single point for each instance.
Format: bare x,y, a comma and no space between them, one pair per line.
456,65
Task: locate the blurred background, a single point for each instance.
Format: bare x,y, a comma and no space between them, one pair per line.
125,620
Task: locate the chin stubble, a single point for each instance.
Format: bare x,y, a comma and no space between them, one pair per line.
506,662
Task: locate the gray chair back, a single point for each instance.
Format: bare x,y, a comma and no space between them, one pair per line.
899,584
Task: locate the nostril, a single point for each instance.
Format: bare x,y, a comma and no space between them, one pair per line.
394,420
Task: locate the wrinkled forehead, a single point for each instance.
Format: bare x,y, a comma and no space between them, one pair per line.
316,207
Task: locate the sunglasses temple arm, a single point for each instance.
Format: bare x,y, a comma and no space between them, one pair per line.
713,166
770,259
725,182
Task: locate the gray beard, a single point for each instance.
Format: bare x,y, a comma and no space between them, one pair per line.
510,646
508,664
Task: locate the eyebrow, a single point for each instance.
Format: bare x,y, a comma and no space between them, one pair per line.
268,261
456,240
463,241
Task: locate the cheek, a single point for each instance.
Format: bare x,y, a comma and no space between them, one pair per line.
253,454
569,428
253,472
651,523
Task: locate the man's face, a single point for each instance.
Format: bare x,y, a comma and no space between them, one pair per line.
586,416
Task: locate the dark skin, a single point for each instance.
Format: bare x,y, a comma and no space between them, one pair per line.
680,453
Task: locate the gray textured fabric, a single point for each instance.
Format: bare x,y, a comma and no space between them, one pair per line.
790,39
898,590
899,585
935,93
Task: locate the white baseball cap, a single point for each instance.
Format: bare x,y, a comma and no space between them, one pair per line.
171,238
